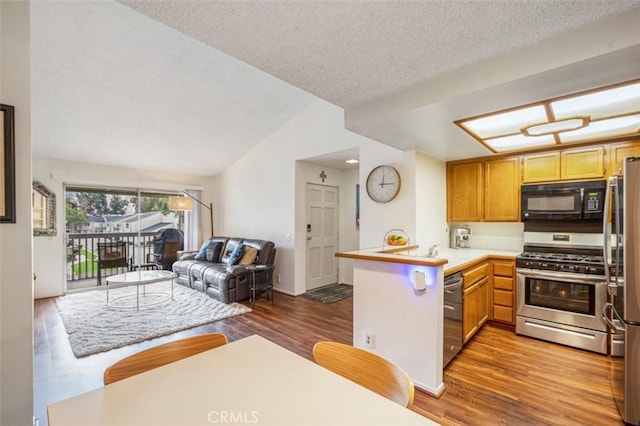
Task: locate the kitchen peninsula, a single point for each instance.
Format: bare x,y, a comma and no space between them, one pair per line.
398,302
396,320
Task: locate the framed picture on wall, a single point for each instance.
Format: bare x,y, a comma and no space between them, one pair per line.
7,165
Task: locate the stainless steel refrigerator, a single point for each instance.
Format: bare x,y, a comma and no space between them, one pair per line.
622,313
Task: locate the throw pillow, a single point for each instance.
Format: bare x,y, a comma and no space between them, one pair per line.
236,255
249,256
213,254
208,250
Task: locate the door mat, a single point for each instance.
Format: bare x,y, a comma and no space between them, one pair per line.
330,293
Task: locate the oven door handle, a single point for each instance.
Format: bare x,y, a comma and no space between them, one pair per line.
616,329
560,276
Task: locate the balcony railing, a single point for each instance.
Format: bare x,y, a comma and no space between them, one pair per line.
82,251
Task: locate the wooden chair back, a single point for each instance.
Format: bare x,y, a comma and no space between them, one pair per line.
112,255
367,369
170,254
160,355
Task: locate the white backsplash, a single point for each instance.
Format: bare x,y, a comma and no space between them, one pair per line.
495,235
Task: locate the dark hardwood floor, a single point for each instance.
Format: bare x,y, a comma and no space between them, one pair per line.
498,378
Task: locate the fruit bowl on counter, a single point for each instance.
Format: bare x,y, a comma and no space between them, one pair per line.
395,238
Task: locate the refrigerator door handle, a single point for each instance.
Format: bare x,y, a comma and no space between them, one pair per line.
612,326
605,228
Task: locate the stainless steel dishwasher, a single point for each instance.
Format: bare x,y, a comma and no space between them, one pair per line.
452,334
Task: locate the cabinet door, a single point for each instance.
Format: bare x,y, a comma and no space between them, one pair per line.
470,312
502,190
464,192
582,163
541,167
483,301
618,152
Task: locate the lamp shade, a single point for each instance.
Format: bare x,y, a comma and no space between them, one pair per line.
180,203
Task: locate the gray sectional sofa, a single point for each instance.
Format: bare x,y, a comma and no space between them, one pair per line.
219,267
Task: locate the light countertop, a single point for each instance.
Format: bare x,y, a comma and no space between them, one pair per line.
462,258
451,259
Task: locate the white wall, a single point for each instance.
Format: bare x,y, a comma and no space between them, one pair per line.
349,235
378,218
16,291
259,195
431,202
49,252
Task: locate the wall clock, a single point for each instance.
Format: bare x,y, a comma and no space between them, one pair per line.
383,184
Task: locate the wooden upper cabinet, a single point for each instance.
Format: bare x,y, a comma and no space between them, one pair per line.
543,167
617,153
502,190
464,192
583,163
567,164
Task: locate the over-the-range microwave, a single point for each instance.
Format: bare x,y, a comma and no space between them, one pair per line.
563,201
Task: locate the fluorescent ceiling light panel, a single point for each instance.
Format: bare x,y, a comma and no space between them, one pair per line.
507,122
556,126
605,128
608,113
510,143
605,103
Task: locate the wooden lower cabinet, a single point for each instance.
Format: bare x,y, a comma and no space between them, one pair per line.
475,300
503,309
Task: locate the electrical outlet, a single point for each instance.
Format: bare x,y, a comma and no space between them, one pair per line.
369,339
278,277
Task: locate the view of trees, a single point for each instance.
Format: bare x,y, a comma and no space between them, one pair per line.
81,205
152,204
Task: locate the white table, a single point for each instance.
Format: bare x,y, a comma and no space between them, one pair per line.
249,381
140,278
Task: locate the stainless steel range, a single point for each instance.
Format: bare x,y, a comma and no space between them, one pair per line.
561,289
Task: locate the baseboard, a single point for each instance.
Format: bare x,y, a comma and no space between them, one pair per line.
436,393
278,290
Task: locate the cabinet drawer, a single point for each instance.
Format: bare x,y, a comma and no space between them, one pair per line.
503,298
504,314
504,269
470,276
503,283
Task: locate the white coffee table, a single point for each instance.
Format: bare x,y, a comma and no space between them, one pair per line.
140,279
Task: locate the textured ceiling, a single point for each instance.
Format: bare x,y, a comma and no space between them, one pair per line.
147,90
349,52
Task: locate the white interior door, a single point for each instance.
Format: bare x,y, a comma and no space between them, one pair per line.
322,235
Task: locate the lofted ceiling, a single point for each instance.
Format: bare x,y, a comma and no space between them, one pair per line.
146,77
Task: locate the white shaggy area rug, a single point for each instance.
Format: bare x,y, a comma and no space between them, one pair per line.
94,327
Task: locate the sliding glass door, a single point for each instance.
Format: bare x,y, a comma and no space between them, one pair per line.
98,215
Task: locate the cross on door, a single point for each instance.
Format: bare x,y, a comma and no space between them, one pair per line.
323,176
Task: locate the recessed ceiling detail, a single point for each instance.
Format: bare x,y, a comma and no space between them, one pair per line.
600,114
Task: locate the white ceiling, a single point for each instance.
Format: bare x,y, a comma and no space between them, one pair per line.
105,75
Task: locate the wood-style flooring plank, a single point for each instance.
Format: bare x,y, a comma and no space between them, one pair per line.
499,378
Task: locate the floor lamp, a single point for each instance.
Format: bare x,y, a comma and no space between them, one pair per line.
179,203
